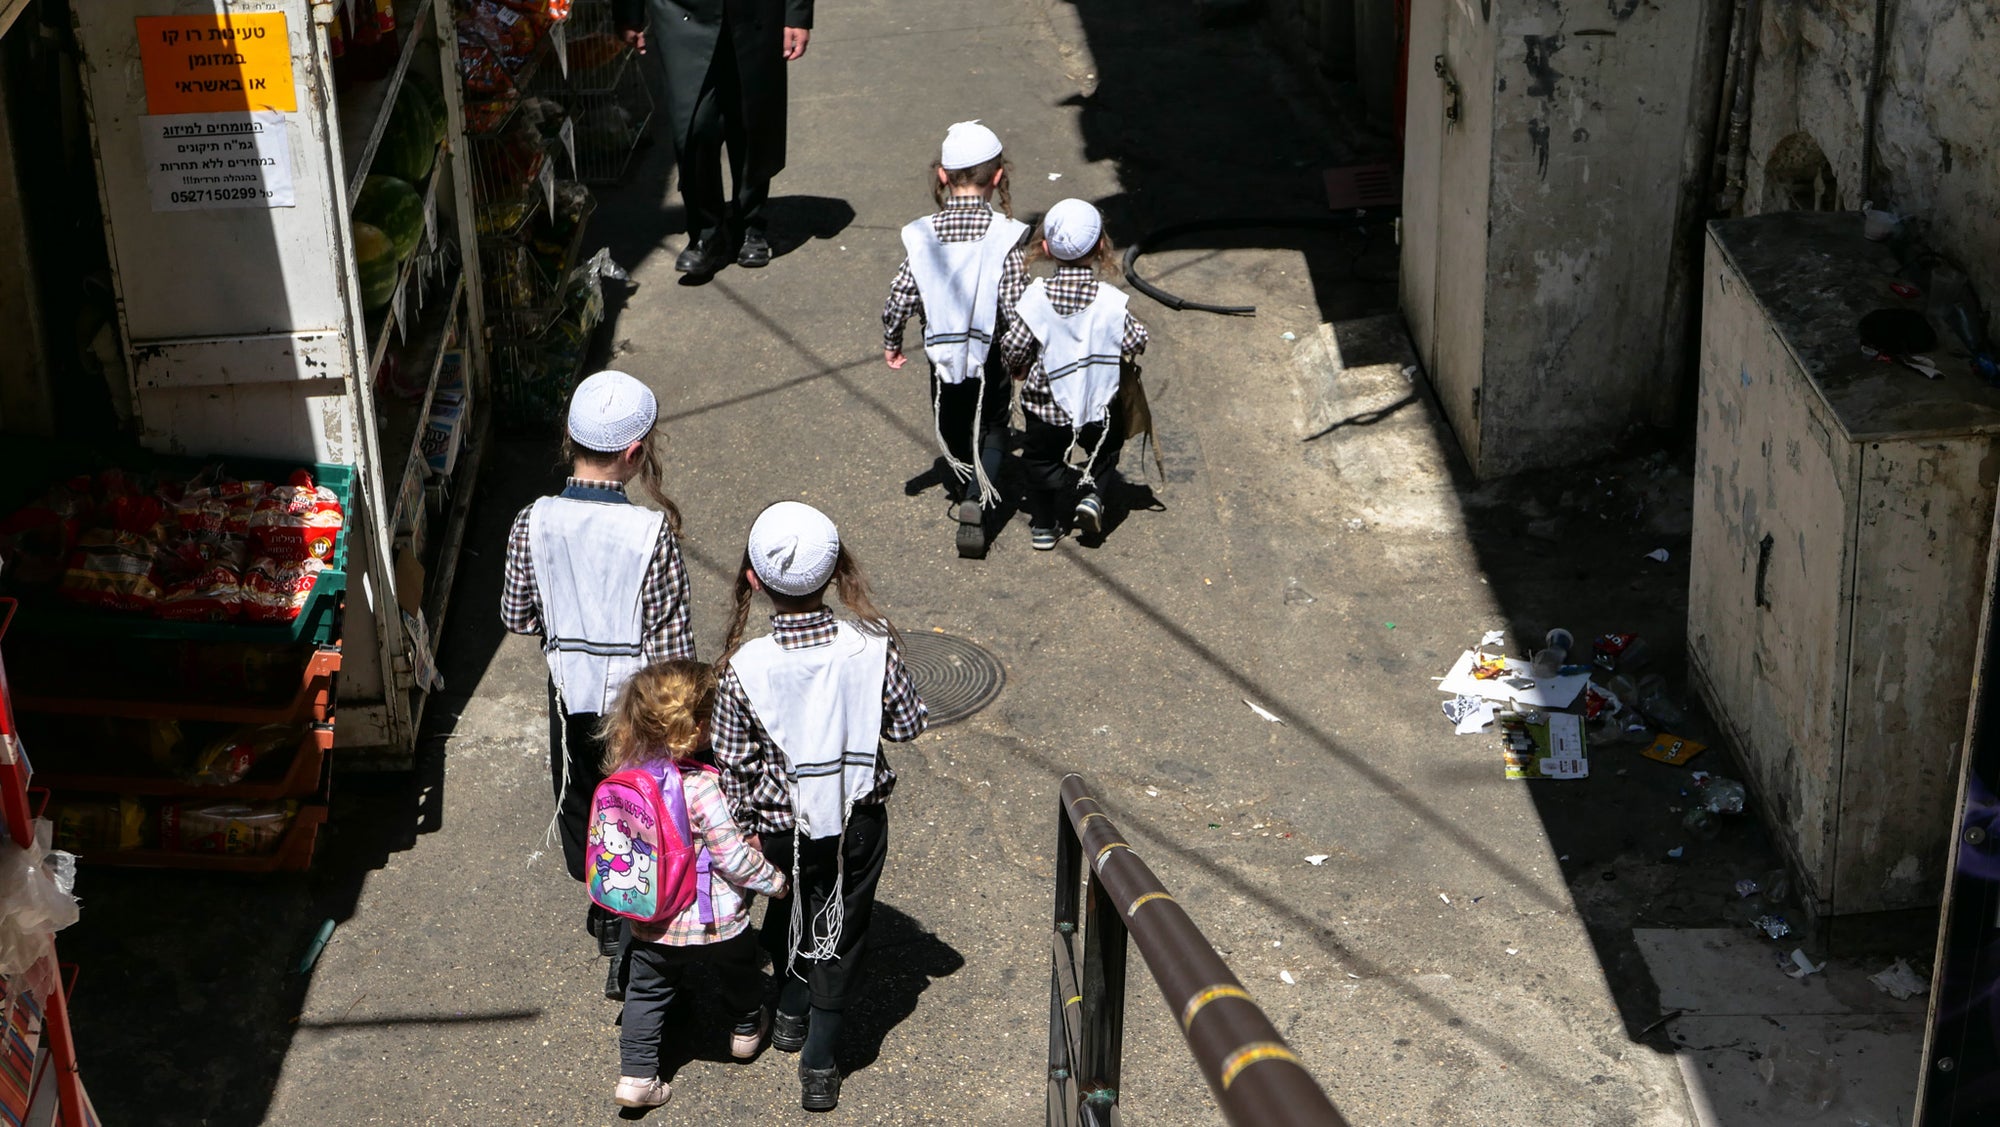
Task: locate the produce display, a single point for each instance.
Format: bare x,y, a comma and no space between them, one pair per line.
395,208
206,549
377,265
416,127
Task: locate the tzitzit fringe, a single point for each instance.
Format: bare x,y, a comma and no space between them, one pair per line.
832,916
988,495
562,726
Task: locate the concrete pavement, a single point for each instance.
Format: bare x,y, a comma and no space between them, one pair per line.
1461,956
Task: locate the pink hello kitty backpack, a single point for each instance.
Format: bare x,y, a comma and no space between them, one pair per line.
642,863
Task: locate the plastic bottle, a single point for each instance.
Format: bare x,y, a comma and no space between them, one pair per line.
1656,704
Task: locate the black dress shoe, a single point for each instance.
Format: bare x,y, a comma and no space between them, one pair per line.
755,251
703,258
819,1088
788,1032
614,980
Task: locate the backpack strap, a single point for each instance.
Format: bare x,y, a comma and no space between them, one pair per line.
668,774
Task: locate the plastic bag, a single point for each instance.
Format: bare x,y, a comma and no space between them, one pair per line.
36,899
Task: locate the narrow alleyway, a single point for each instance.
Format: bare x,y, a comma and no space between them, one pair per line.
1440,969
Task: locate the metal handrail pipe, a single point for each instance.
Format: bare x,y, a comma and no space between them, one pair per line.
1256,1077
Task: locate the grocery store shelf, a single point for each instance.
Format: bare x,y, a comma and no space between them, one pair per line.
364,110
294,853
383,323
313,701
401,422
445,568
300,779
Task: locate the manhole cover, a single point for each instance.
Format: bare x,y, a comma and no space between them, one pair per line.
955,677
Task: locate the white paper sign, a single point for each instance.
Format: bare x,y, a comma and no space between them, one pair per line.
559,34
207,161
568,134
431,220
548,179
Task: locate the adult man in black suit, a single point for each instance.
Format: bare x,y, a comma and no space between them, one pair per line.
725,63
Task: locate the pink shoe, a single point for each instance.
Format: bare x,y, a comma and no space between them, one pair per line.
748,1036
634,1091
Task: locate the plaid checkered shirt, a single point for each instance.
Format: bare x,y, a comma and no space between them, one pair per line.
663,596
753,769
964,219
1072,288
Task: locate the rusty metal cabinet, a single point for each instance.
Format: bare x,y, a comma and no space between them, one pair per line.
1843,509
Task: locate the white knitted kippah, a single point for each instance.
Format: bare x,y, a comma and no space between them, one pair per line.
793,548
610,411
1072,229
968,143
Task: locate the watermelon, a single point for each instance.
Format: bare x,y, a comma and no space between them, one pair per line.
408,145
433,101
375,260
395,208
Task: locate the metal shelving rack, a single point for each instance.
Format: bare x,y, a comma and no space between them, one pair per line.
244,323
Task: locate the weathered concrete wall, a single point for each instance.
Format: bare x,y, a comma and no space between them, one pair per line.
1937,138
1541,228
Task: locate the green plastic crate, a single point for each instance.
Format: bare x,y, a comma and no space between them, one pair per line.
318,623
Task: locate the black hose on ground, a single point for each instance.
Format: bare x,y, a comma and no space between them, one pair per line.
1344,222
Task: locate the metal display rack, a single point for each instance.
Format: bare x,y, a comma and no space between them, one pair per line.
259,323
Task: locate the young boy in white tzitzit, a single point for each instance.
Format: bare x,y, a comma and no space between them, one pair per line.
1067,343
800,717
964,271
600,580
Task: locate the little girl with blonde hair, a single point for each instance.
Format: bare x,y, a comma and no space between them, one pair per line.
663,713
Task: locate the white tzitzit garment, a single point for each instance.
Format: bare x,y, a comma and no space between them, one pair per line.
591,559
822,706
1081,354
960,285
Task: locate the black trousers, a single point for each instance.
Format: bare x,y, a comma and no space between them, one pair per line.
1051,481
718,125
958,406
866,846
586,770
656,971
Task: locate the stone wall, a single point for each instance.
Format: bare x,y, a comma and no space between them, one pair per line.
1937,135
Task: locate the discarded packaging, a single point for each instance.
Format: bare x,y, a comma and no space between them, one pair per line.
1677,852
1775,926
1654,701
1657,555
1537,745
1618,651
1900,982
1510,679
1722,796
1701,822
1285,977
1673,750
1802,965
1316,859
1746,888
1469,714
1262,711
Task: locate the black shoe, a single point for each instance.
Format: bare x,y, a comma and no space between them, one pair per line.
819,1088
971,536
614,980
788,1032
607,928
703,258
755,251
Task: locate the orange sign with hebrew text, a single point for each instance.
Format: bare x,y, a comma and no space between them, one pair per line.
217,63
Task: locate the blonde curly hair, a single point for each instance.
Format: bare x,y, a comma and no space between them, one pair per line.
662,712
